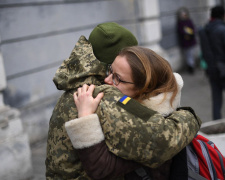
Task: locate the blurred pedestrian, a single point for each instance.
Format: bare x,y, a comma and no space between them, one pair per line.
186,37
212,42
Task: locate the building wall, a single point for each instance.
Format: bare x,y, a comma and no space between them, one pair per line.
37,35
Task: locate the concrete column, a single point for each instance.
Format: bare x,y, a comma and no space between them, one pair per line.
211,3
15,153
150,27
2,81
149,23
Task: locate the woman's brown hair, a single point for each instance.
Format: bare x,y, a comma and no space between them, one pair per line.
151,73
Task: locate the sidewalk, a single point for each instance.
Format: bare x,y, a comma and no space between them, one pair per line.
38,160
195,93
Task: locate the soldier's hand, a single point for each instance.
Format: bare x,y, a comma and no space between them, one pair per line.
85,103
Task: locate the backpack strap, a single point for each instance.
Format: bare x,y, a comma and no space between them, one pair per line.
221,162
220,157
205,152
195,175
193,165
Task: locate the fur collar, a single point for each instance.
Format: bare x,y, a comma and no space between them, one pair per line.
164,107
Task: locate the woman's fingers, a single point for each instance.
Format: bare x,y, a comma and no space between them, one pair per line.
75,96
99,97
84,88
84,100
91,88
78,91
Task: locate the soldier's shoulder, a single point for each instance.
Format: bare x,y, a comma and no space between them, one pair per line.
134,107
115,99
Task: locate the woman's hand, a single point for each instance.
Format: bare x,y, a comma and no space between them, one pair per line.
85,103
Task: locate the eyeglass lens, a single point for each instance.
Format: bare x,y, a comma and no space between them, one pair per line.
115,78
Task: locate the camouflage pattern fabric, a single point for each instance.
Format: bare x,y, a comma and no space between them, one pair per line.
150,140
131,131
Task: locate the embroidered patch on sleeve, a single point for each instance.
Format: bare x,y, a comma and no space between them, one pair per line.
125,99
135,108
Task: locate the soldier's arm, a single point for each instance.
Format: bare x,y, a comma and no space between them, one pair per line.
99,162
155,139
135,132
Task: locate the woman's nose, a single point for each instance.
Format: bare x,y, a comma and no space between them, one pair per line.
108,80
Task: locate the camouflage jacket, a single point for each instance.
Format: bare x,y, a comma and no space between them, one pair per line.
132,131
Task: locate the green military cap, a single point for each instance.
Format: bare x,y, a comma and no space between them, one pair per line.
107,39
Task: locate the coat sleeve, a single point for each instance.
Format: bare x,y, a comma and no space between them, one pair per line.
134,132
99,163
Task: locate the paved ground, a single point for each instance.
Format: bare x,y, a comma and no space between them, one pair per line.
195,93
38,160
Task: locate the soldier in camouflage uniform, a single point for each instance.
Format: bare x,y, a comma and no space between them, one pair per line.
118,122
96,160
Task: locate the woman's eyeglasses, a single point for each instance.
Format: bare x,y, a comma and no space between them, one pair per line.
116,79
